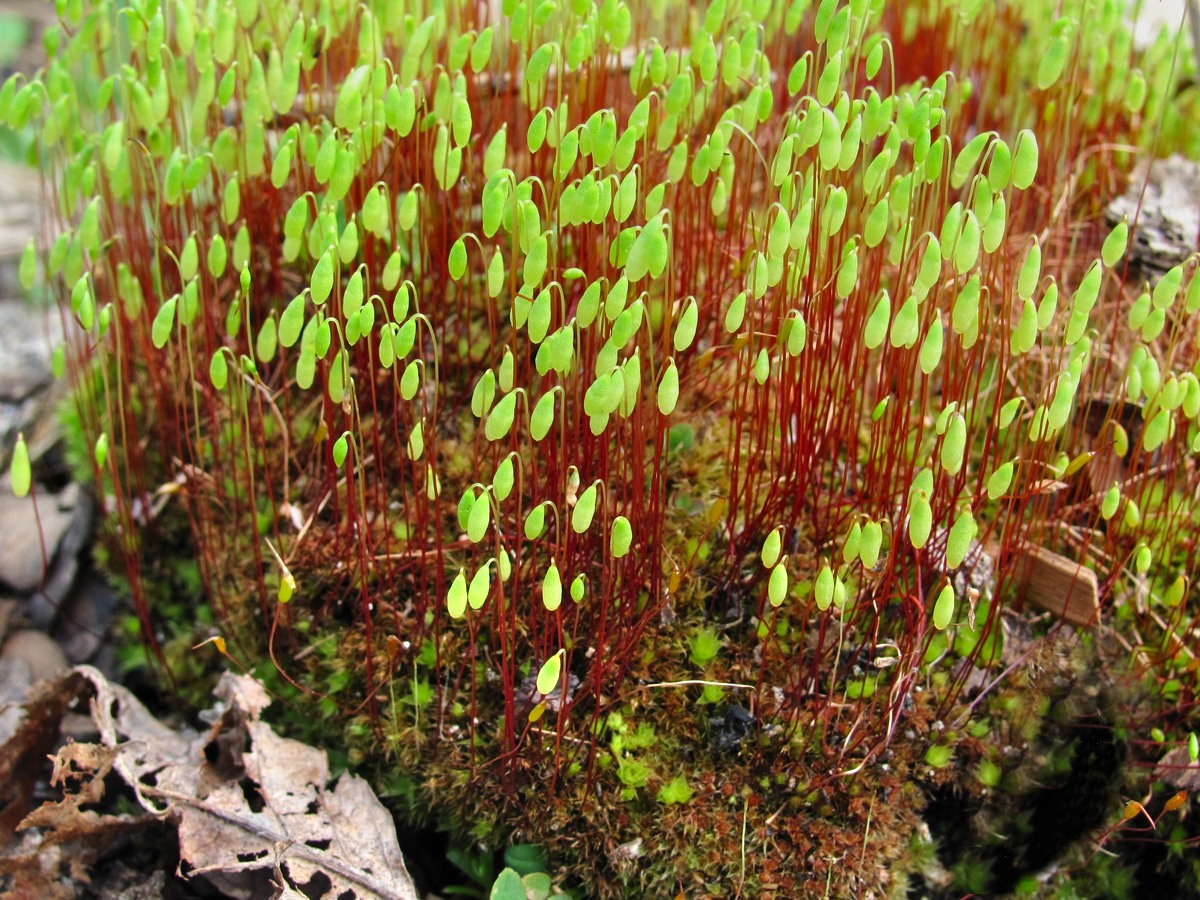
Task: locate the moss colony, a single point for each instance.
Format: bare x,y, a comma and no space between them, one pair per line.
615,425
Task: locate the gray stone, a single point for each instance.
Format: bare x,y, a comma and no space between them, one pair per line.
1168,223
21,560
37,650
28,337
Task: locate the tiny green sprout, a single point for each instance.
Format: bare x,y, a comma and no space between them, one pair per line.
621,537
550,673
824,588
958,542
480,587
772,547
1115,244
456,597
999,481
920,520
778,584
21,472
943,608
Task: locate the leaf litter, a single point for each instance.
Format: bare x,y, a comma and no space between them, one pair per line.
256,813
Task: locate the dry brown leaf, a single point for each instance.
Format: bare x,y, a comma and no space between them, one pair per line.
329,840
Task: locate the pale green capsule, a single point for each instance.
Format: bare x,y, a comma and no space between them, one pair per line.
685,328
823,588
771,548
943,608
1025,162
931,347
798,334
1143,560
877,323
931,268
668,389
1052,62
1157,430
737,311
999,481
456,597
907,324
621,538
966,251
875,228
535,522
762,366
777,585
1047,307
500,419
958,542
954,444
920,520
480,587
552,588
870,544
965,162
1115,244
1031,271
993,229
966,306
1112,499
550,674
479,518
416,441
504,479
1167,288
1024,336
848,272
585,509
853,542
542,417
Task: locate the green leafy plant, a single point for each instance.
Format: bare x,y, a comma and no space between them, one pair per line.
484,351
